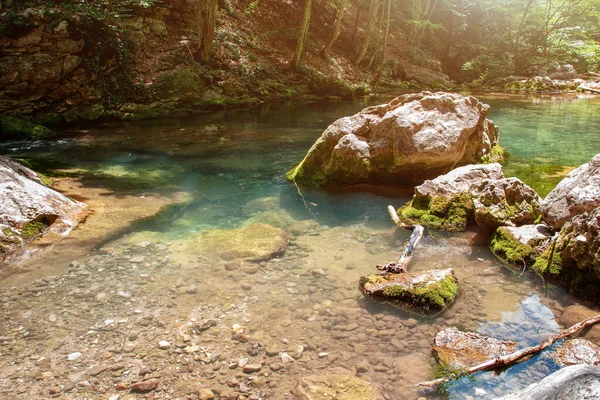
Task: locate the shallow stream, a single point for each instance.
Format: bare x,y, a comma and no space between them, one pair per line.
114,305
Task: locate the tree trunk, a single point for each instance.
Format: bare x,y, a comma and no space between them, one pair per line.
519,355
206,19
379,36
385,42
359,7
367,39
302,34
517,67
336,31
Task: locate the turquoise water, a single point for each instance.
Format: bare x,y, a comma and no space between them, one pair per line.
232,164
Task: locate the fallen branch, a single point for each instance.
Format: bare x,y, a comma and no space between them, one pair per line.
589,89
519,355
409,245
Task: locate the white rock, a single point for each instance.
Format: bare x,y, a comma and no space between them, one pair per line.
163,344
74,356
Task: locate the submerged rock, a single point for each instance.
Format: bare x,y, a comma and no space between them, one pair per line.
519,245
460,350
577,382
253,242
28,208
427,290
577,193
338,384
577,351
415,137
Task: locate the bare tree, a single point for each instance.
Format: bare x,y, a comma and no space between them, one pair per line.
341,10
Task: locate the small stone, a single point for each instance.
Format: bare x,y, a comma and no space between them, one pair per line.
145,386
286,358
246,286
97,370
411,323
205,394
191,289
124,294
163,344
362,366
47,374
323,354
250,368
242,363
272,351
318,272
54,390
101,297
74,356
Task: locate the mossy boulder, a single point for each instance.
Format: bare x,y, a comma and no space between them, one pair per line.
429,290
460,350
518,246
504,202
17,129
574,257
338,384
446,202
414,137
253,242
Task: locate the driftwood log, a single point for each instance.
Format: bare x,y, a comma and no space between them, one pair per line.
519,355
410,244
589,89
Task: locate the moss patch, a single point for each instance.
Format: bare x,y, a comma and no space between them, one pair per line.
495,155
17,129
33,229
505,246
448,214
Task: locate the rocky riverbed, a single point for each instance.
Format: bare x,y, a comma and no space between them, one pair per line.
142,318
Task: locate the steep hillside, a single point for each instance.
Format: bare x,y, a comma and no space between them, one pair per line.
70,61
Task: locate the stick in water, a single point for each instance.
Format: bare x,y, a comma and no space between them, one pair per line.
519,355
409,245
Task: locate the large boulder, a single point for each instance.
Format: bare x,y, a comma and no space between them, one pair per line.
460,350
574,258
427,290
253,242
577,382
29,208
413,138
577,193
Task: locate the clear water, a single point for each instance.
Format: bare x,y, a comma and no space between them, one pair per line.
232,164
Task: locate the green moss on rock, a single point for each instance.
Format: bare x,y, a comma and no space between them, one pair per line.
18,129
449,214
429,290
508,248
33,229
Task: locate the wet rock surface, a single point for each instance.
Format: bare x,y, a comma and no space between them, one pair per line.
339,384
28,208
577,193
519,245
456,349
391,143
577,382
577,351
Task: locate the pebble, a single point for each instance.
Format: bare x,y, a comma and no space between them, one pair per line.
74,356
286,358
250,368
246,286
411,323
191,289
323,354
205,394
163,344
145,386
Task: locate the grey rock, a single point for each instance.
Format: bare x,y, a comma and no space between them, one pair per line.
577,382
577,351
577,193
415,137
